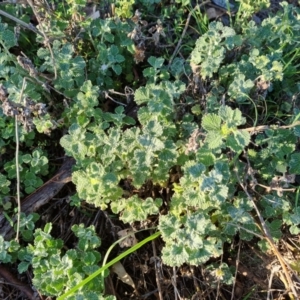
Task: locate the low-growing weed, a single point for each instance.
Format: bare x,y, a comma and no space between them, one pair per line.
201,143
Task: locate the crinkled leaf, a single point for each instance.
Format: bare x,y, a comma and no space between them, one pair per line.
156,62
205,157
136,209
214,140
88,97
175,255
117,69
211,122
232,117
238,140
294,163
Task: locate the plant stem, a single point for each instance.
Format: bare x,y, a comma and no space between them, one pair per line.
22,23
17,165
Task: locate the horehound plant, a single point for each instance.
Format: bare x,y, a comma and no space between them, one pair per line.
213,164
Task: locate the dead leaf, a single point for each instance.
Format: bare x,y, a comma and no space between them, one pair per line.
91,12
262,84
211,13
130,239
118,269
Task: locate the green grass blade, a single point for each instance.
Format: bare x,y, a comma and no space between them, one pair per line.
109,264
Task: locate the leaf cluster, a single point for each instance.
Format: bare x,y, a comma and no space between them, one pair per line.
56,270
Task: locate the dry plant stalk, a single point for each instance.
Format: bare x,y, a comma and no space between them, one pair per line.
46,39
267,236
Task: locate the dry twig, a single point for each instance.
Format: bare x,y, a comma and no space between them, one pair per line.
265,127
20,22
158,274
41,196
236,270
269,239
185,29
46,39
13,280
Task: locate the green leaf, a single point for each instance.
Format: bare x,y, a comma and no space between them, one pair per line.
240,88
186,239
205,157
220,273
296,130
78,64
54,260
4,184
23,266
8,38
175,255
142,95
214,140
88,97
114,50
89,258
193,170
156,63
150,143
119,58
197,224
48,228
233,118
238,140
219,194
177,68
149,73
294,230
211,122
169,225
67,51
117,69
275,229
136,209
26,158
294,163
239,215
294,218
